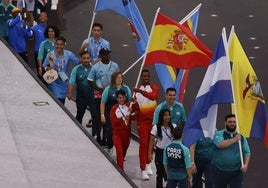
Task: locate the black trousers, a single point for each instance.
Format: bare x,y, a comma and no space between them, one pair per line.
160,170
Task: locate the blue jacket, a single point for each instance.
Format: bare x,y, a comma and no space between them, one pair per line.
38,31
17,33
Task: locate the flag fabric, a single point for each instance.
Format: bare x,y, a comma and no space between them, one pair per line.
167,76
215,89
173,77
251,110
175,45
114,5
129,10
134,32
192,24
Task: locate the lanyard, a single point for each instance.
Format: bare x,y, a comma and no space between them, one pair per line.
165,131
124,116
121,111
60,65
95,47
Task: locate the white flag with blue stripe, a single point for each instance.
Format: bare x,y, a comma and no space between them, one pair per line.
215,89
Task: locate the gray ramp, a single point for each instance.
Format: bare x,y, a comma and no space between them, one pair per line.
41,146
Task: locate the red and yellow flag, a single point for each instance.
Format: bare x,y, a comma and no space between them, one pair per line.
175,45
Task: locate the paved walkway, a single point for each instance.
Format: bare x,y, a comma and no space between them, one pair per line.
132,168
40,144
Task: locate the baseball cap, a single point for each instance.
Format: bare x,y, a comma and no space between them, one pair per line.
15,9
104,51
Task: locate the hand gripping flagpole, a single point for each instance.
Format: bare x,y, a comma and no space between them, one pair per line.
235,108
144,56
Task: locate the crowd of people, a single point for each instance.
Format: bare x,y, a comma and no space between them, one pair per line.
114,106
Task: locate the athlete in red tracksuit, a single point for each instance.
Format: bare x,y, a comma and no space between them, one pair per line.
146,95
120,117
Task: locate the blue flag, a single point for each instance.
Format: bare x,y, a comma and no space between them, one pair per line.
215,89
129,10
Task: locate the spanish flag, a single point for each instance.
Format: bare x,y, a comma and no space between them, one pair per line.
249,105
175,77
175,45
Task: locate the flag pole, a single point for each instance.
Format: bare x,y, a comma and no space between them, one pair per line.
23,3
24,7
133,64
93,19
235,108
190,14
185,72
145,54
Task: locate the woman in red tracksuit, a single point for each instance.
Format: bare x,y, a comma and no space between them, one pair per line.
120,117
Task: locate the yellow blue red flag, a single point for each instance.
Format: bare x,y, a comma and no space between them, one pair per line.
250,108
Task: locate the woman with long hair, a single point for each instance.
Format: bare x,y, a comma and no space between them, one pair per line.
161,134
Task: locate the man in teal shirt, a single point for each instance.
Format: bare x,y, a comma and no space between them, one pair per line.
202,152
84,92
177,111
228,169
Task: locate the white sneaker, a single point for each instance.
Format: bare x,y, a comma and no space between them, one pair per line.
144,175
149,169
165,183
110,151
